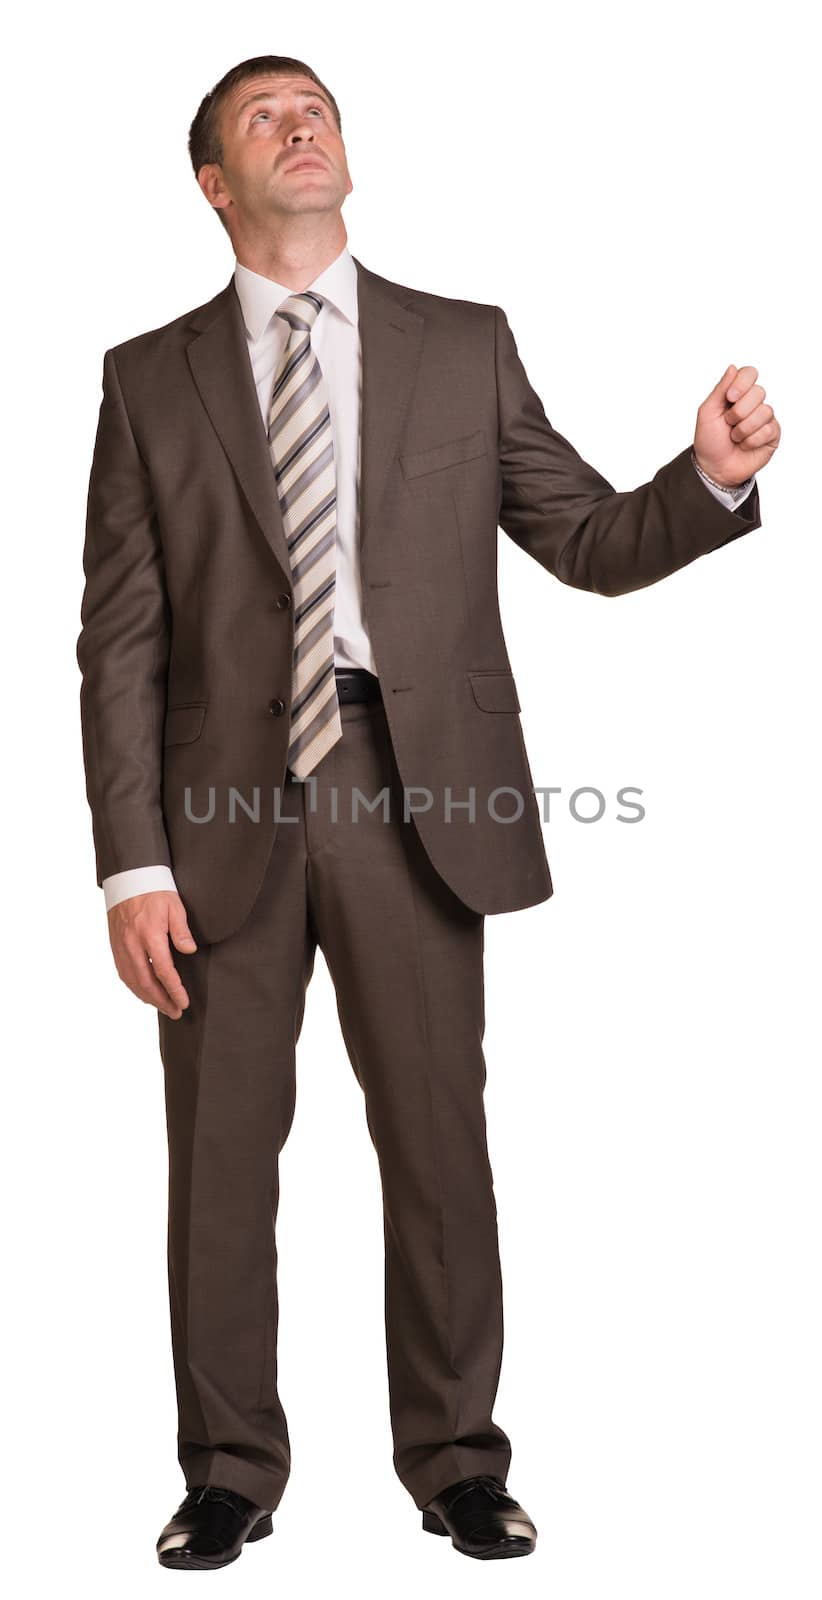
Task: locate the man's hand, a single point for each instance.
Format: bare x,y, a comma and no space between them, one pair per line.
736,434
139,930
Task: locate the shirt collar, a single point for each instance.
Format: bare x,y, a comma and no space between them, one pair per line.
260,297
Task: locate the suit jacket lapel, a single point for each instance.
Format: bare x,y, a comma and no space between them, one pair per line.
391,342
218,357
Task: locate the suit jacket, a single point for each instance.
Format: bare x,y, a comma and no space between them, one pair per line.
187,622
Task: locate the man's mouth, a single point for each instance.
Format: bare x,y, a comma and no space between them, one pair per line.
309,162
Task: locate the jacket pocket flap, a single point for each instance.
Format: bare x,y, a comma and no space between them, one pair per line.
447,454
495,691
184,723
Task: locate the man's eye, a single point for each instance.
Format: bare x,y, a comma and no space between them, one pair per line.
257,114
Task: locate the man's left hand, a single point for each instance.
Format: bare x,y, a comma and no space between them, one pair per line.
736,434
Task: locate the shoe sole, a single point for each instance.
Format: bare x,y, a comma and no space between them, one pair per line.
506,1547
180,1562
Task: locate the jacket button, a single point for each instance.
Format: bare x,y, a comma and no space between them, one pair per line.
276,707
283,602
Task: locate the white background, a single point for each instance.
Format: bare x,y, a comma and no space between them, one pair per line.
634,186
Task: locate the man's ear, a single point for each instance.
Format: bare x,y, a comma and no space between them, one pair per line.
212,183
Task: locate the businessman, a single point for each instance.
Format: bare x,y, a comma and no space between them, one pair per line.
300,728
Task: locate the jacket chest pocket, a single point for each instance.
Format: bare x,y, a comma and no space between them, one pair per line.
448,454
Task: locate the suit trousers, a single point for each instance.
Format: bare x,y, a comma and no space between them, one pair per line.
406,959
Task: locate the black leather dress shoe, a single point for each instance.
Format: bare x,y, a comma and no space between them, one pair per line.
482,1519
209,1529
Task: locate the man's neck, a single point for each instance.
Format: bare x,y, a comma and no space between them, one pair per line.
292,261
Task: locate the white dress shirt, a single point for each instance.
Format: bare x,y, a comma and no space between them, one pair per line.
335,339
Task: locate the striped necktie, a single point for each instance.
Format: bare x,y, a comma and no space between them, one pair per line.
302,450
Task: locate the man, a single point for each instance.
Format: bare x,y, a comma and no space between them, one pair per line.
291,601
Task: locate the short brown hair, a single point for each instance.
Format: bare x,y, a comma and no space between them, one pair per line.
205,140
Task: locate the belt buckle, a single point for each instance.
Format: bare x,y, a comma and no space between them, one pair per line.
355,684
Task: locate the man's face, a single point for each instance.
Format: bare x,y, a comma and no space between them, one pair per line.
283,153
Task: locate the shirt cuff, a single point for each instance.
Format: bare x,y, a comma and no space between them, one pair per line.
138,880
727,497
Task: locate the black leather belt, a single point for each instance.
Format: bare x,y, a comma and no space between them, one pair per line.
355,683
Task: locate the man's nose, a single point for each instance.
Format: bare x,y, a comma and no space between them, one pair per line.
302,129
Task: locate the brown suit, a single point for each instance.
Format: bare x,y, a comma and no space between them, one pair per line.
184,527
186,647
